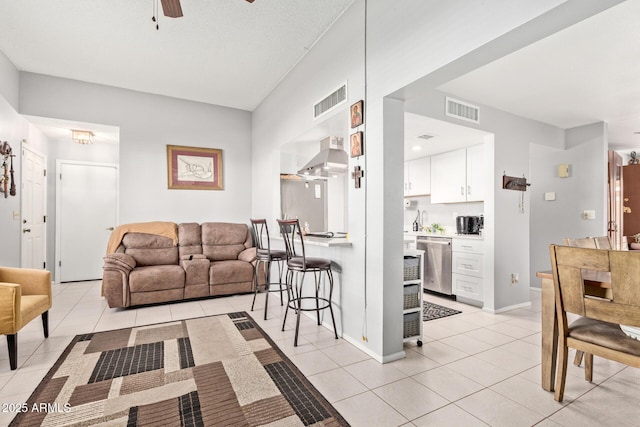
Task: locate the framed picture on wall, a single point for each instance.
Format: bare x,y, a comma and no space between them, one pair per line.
193,168
356,142
357,114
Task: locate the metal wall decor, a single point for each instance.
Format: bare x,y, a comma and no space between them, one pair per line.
8,173
514,183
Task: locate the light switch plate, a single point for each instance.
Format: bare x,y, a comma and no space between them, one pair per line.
589,214
550,195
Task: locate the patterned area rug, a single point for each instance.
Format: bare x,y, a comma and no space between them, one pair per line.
210,371
431,311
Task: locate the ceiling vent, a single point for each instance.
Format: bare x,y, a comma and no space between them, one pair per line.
462,110
330,102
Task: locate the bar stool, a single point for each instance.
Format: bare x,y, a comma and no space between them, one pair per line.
265,255
297,267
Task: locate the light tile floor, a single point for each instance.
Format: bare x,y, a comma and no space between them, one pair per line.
474,369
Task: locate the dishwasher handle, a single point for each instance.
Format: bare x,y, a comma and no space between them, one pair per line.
443,242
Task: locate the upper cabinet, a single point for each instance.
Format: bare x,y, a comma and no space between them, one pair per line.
417,177
458,176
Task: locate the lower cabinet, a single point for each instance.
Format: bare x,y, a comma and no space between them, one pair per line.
468,269
467,287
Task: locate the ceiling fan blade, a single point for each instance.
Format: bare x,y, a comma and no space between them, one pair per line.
172,8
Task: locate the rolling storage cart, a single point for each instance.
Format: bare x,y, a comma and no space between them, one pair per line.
412,289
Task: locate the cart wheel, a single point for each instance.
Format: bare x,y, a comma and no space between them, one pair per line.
419,343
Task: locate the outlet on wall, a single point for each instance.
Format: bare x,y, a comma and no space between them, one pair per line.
514,278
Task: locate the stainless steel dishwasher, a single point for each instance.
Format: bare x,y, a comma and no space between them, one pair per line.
437,263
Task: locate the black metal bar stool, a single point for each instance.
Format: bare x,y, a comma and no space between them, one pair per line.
297,267
265,255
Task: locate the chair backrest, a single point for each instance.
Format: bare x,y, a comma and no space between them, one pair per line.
261,234
290,229
570,264
603,242
581,242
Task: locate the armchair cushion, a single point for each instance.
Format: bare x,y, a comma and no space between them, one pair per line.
224,241
150,249
156,278
24,294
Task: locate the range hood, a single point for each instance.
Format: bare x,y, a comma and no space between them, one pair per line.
331,160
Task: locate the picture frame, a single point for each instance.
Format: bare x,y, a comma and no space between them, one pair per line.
194,168
356,144
357,114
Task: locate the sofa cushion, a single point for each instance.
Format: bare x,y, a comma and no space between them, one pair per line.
189,239
224,241
222,272
156,278
150,249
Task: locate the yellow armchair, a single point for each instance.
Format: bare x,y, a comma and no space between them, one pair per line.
24,294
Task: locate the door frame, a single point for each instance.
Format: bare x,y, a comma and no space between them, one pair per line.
59,164
24,146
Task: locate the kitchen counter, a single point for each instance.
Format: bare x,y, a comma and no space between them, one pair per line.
320,241
413,234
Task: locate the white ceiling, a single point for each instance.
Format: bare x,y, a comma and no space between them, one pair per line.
233,53
224,52
586,73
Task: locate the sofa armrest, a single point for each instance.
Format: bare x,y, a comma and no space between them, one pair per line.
248,255
196,270
31,281
121,261
10,295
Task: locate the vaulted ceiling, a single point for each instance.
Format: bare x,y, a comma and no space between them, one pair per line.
224,52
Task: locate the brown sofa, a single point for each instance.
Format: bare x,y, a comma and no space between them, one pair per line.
209,259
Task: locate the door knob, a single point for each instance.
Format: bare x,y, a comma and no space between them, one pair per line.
110,228
26,230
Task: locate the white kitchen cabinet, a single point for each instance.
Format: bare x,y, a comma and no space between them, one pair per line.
417,177
475,173
457,176
467,269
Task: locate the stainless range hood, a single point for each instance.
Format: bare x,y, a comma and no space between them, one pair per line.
331,160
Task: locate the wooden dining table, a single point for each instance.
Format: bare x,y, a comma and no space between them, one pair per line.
597,283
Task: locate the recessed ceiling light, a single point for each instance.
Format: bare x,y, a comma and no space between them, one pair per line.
416,148
425,136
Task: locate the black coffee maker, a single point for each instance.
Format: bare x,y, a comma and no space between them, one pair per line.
469,224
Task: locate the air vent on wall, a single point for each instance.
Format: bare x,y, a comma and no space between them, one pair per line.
330,102
462,110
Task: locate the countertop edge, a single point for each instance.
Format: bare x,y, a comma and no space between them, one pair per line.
327,243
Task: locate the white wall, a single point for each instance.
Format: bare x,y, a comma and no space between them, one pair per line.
509,246
585,188
402,44
13,129
283,117
148,123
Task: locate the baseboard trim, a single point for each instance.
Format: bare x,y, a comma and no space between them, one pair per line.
508,308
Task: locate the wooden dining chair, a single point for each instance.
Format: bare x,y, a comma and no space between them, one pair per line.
580,242
602,242
597,330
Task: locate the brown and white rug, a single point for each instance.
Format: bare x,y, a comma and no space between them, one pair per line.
210,371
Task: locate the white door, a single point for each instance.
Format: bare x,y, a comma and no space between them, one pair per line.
33,254
87,206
